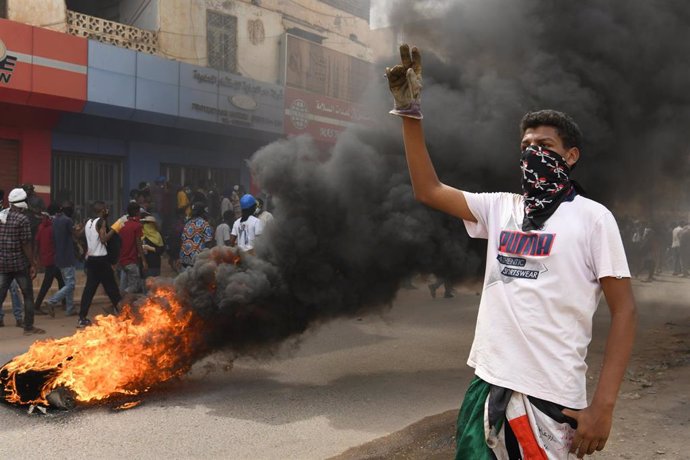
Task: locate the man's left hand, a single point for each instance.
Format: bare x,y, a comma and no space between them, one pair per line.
593,428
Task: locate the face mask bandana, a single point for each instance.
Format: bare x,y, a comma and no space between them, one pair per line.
545,185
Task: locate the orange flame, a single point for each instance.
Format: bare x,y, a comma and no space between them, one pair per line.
123,355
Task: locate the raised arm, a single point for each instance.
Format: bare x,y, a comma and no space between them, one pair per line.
427,188
405,82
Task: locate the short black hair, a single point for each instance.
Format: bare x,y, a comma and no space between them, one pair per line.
229,216
133,209
198,209
98,206
53,209
568,130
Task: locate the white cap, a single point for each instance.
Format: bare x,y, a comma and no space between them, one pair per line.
17,195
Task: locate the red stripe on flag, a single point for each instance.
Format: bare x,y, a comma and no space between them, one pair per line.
523,432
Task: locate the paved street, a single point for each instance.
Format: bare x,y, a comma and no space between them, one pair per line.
343,384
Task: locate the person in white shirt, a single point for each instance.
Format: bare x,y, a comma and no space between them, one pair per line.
264,216
98,263
551,252
223,229
678,268
247,228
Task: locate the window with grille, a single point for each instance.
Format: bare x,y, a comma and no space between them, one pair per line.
221,41
195,176
85,179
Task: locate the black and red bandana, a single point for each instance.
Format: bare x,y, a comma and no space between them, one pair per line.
545,185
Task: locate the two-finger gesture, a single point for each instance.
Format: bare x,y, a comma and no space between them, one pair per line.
405,83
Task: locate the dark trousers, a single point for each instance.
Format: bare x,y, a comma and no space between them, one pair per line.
51,273
98,271
24,281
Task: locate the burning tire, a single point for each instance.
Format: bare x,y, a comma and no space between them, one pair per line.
62,398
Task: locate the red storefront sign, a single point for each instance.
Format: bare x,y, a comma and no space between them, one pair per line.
42,68
322,117
42,73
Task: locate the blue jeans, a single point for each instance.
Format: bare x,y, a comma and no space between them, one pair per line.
17,306
24,282
67,291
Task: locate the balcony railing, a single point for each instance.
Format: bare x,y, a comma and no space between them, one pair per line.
114,33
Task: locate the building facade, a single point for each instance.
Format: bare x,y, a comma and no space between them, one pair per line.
97,97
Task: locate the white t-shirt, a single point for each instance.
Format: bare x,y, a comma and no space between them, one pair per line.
265,217
222,234
541,289
246,232
94,245
675,234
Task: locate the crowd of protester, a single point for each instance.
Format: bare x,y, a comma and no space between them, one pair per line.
178,223
116,252
653,248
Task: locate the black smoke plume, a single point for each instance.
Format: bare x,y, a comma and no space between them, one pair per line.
620,68
348,231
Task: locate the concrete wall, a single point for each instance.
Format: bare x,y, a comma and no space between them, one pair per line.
51,14
336,25
182,33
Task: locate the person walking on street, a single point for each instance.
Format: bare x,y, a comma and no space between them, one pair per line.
16,256
183,200
678,267
551,253
45,246
247,228
132,252
153,245
17,307
235,200
264,216
226,202
447,287
223,229
64,233
98,267
196,236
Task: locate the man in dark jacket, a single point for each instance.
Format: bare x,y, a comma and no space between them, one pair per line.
65,258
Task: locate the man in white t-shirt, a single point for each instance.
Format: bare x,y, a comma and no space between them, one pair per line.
678,268
223,229
264,216
247,228
551,252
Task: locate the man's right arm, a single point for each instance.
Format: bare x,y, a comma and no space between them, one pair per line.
427,188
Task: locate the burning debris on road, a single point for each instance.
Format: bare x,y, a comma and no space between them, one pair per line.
118,356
